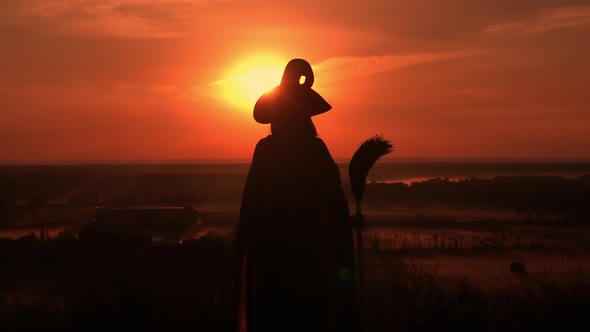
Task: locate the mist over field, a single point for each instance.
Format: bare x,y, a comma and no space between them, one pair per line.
69,194
483,237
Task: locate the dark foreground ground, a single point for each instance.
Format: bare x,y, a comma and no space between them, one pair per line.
123,283
438,253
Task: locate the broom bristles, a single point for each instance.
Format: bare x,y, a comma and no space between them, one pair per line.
363,159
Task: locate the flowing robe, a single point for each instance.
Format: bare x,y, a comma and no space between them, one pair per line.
294,267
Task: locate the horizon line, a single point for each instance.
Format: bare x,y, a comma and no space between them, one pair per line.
248,160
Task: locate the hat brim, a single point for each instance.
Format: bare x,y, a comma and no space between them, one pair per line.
269,106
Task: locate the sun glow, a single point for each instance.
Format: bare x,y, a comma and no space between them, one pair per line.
247,81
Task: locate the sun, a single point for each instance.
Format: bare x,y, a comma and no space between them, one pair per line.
249,79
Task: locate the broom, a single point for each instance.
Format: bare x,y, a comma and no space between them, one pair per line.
363,159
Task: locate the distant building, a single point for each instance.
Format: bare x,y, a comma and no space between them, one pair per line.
167,222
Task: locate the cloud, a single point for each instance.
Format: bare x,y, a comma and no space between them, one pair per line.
558,18
349,67
114,18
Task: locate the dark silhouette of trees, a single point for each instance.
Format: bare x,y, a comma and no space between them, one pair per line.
535,196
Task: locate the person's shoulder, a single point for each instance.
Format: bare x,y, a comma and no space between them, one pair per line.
316,146
320,143
264,143
318,140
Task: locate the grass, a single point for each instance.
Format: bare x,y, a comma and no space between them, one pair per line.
64,285
405,297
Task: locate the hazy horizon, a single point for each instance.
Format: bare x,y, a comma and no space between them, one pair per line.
385,160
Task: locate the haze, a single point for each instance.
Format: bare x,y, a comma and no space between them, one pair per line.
136,80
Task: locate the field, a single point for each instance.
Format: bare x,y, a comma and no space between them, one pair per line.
521,263
437,273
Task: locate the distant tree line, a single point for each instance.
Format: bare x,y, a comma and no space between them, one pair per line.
24,191
564,198
119,185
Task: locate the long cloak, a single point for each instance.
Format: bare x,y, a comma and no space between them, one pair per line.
294,266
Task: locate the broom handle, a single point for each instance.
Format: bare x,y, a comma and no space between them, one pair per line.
359,241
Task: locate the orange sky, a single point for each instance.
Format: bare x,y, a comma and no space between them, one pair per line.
140,79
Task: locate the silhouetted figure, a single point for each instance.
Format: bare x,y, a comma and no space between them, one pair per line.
294,244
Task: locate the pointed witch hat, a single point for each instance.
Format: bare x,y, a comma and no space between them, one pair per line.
291,98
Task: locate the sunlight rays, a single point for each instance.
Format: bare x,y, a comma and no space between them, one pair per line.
244,83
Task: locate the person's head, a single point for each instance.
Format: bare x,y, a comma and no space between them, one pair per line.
290,106
294,71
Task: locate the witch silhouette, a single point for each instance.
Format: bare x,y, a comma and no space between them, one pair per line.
294,266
